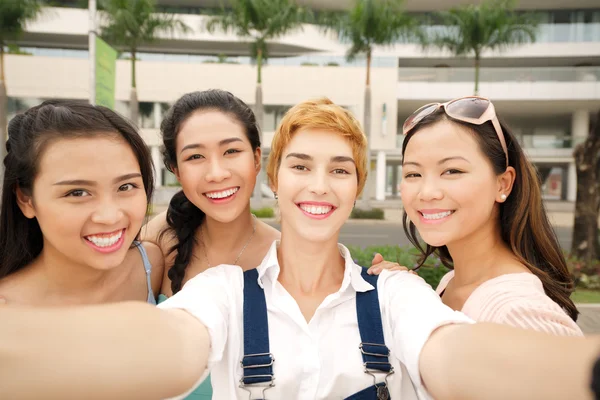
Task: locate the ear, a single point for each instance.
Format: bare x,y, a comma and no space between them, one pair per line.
506,181
176,173
257,160
25,203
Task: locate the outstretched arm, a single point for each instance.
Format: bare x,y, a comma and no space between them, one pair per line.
499,362
100,352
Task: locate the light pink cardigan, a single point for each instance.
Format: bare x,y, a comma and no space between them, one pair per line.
518,300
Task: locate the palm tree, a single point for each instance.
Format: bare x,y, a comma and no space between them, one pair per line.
368,24
259,21
491,25
14,15
129,24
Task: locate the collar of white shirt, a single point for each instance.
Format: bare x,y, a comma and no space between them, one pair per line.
352,272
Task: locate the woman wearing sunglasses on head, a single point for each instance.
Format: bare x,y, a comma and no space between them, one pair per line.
475,199
307,323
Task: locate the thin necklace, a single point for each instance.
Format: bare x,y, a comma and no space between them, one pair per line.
243,248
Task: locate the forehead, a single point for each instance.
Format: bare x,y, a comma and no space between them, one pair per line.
443,139
317,142
208,126
99,157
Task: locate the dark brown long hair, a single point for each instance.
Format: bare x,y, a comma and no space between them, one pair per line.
524,224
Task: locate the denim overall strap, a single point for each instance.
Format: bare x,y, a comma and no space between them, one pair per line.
257,363
375,353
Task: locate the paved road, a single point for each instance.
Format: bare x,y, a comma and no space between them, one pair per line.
370,233
589,319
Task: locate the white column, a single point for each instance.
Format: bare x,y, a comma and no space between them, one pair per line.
580,125
158,166
380,176
580,129
394,181
157,115
571,182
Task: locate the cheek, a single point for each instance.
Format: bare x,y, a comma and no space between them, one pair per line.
189,174
138,206
52,221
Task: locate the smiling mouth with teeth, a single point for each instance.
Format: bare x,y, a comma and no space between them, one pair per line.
435,216
316,210
222,194
105,240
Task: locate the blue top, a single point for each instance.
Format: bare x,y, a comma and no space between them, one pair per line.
148,268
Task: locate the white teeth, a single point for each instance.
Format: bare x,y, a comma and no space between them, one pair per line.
316,210
438,215
105,241
223,194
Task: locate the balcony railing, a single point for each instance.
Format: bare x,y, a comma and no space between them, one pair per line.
547,33
538,74
549,142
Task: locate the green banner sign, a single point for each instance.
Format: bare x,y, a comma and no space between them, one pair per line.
106,58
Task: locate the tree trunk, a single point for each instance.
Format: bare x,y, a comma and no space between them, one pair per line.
368,69
259,66
133,99
366,195
477,63
3,115
585,228
259,113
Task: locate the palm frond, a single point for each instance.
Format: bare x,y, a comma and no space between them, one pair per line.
259,21
371,23
14,15
130,23
491,25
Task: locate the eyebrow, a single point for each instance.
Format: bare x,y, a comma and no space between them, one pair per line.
306,157
201,146
416,164
83,182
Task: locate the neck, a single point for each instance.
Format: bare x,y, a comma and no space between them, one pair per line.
309,267
476,257
226,237
70,281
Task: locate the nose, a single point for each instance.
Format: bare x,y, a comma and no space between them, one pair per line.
319,183
109,212
430,190
217,172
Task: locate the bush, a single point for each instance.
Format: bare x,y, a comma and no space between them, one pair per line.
585,275
432,271
375,213
265,212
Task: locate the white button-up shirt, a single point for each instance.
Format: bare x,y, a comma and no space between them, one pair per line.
319,359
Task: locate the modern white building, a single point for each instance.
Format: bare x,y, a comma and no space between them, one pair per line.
548,92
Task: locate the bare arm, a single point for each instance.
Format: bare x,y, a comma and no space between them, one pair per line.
100,352
499,362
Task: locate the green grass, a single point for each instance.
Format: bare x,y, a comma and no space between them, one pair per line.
586,296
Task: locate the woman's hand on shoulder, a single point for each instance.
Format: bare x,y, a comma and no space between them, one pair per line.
379,264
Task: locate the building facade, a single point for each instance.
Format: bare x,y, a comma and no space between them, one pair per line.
547,92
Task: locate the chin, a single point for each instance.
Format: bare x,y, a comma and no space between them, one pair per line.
434,241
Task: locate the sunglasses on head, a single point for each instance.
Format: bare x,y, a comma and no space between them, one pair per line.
472,109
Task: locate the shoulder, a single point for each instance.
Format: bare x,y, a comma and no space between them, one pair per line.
217,286
444,282
157,261
519,300
153,232
404,285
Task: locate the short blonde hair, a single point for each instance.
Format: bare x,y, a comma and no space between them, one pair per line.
319,114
